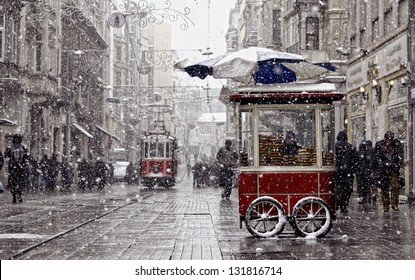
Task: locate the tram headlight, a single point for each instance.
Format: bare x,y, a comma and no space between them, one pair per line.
156,168
168,170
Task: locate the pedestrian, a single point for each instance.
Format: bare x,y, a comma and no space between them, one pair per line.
362,174
83,174
290,146
33,174
189,168
387,162
17,155
43,166
110,172
66,174
129,171
370,164
397,163
198,174
90,181
345,166
100,170
228,159
52,173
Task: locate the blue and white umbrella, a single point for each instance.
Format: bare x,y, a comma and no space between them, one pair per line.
265,66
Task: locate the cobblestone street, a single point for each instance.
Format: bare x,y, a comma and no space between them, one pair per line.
184,223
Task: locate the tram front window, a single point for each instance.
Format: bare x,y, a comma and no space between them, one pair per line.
287,137
160,150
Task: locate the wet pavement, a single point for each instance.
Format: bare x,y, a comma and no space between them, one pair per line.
184,223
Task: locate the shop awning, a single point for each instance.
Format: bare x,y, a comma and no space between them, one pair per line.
83,130
6,122
106,132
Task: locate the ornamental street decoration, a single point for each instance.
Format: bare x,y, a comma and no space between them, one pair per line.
116,20
140,11
144,13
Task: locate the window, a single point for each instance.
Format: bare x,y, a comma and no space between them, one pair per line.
403,11
276,28
118,78
375,29
362,38
247,139
312,33
14,46
375,9
154,150
1,37
362,11
38,53
359,130
388,22
287,137
328,139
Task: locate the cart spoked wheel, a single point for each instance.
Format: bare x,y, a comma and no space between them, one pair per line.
312,217
265,217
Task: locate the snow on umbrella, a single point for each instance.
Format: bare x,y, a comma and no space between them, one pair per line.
266,66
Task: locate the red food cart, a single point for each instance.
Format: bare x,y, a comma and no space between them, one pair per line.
279,184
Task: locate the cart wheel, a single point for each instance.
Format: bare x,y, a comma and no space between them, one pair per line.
265,217
312,217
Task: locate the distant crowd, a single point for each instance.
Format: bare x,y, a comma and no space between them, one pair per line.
26,173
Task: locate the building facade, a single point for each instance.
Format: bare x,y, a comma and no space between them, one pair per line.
377,72
52,75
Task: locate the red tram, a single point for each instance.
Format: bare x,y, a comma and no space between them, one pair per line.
158,162
276,187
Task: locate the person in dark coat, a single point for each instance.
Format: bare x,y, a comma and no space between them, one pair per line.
228,159
397,163
384,154
345,164
290,146
129,171
83,170
52,171
17,155
43,166
100,170
110,172
197,174
66,173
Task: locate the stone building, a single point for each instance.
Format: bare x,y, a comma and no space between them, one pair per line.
52,75
377,72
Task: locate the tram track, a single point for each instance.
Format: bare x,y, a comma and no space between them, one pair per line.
73,228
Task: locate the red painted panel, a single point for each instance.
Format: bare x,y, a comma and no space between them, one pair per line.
147,167
327,182
288,183
244,201
247,183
